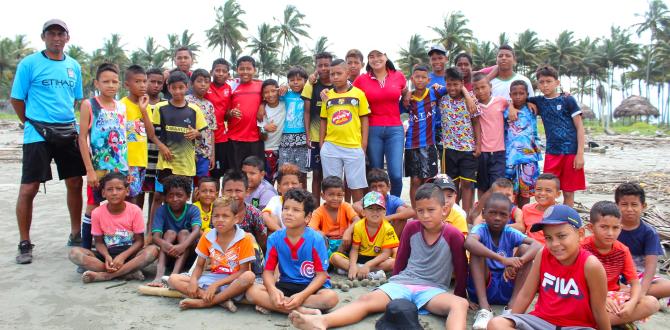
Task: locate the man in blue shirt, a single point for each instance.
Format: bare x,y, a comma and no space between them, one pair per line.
46,85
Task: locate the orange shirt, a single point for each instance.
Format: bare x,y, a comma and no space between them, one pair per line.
531,216
240,250
333,229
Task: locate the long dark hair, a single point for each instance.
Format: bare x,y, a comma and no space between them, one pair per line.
389,66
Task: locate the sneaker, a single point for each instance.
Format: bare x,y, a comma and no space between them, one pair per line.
80,269
482,319
506,311
341,272
378,275
25,252
74,240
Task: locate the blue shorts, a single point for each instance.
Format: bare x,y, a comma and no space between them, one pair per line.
158,187
208,279
498,291
333,246
420,295
201,166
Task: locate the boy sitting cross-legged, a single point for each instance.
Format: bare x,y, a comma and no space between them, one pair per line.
300,254
229,272
496,271
430,251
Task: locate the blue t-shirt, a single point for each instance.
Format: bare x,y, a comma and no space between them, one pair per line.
641,241
436,80
393,203
49,89
423,119
521,140
298,263
510,238
295,112
557,114
165,220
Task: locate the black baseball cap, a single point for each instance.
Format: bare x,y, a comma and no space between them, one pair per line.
400,314
443,182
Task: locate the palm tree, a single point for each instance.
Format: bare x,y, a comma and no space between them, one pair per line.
112,51
527,48
84,59
297,57
586,68
265,45
414,54
227,31
321,45
503,39
151,56
654,18
562,51
291,27
454,34
483,54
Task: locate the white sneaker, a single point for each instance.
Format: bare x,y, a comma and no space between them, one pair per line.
342,272
482,319
378,275
506,311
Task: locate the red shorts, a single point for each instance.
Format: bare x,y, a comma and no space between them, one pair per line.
94,196
562,166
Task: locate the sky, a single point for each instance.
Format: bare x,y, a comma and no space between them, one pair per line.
347,24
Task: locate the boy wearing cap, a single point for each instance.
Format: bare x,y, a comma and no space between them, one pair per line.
370,256
455,214
571,283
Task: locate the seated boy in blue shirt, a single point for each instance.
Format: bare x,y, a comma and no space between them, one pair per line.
496,272
300,254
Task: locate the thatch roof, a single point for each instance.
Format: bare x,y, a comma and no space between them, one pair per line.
635,106
587,113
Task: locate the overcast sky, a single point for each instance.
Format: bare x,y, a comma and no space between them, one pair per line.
347,23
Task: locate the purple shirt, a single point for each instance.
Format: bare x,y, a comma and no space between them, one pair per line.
260,197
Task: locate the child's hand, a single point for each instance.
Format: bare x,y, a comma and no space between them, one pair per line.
477,152
532,108
512,262
191,134
308,142
294,301
509,274
277,298
353,270
209,294
178,250
324,95
271,127
165,152
143,101
109,264
406,98
235,112
118,262
513,114
578,163
312,78
282,90
92,179
626,309
212,162
363,272
612,306
192,289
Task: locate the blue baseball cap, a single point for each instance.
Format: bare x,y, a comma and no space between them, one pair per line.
558,215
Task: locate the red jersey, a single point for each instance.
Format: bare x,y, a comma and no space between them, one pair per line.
248,98
618,261
383,97
563,293
220,98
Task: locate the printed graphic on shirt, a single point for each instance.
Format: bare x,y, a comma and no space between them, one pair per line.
564,288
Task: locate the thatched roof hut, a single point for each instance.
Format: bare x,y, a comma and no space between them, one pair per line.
635,106
587,113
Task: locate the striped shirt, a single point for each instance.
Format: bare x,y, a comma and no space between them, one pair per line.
618,261
423,118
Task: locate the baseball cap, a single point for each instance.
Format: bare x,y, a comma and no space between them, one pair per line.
373,198
53,22
376,48
444,182
400,314
437,48
558,215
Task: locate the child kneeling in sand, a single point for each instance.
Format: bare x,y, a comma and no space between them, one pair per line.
301,256
229,274
430,251
370,256
118,230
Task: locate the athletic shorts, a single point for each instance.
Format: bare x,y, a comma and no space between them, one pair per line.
524,178
290,289
293,149
208,279
201,166
340,161
271,165
459,165
113,252
94,195
333,246
532,322
222,159
239,150
421,162
491,166
498,291
420,295
136,176
562,167
37,158
315,157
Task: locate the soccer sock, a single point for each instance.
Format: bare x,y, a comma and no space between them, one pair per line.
86,238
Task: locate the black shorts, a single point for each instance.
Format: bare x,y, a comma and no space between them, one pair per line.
459,165
421,162
290,289
37,158
113,252
491,166
238,151
222,155
315,157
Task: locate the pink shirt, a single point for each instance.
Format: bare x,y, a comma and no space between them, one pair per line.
248,97
492,122
117,229
384,100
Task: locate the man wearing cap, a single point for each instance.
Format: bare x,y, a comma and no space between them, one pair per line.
46,86
438,62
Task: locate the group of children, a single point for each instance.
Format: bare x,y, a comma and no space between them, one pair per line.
225,144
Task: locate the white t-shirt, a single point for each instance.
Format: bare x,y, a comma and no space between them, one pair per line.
274,207
275,115
500,87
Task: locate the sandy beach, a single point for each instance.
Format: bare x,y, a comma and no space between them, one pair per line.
49,294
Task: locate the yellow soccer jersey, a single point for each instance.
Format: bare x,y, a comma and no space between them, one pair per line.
372,245
136,134
343,112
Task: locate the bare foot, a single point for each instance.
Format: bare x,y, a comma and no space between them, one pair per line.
229,305
192,303
308,311
157,284
473,306
134,276
262,310
306,321
91,276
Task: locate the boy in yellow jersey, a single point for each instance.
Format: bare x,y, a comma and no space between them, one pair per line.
454,216
344,131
